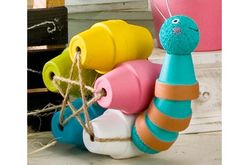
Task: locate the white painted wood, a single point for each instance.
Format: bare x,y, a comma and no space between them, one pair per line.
87,2
194,149
107,7
203,128
204,122
78,22
95,5
210,82
105,15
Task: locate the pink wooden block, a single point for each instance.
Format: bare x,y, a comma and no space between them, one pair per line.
129,87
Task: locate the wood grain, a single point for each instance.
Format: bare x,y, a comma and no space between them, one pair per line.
37,90
107,6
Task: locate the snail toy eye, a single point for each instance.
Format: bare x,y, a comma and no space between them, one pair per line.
175,21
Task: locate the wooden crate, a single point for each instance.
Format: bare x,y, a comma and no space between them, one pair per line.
47,26
47,38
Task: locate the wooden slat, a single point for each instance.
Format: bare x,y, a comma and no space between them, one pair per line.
94,2
105,15
81,21
41,48
36,59
108,6
37,90
204,122
203,128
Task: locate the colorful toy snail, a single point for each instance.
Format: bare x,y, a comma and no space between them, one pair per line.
157,128
120,50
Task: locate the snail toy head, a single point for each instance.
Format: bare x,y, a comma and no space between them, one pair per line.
179,35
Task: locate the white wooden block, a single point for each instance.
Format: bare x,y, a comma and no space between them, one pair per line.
112,124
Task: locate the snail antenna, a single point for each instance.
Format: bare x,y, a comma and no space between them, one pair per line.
156,7
167,5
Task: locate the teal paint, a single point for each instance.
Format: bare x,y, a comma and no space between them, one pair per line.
174,109
177,70
72,132
179,36
139,144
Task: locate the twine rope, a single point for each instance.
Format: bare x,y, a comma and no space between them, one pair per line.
87,126
85,104
115,139
67,91
90,102
73,82
46,109
50,144
75,113
73,109
84,108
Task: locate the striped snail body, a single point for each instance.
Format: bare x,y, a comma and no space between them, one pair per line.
157,128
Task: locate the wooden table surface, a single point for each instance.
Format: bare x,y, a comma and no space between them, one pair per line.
194,149
200,144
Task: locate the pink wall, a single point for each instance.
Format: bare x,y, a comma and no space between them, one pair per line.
206,13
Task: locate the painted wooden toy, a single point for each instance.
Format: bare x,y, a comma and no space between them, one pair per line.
129,87
71,132
109,43
157,128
